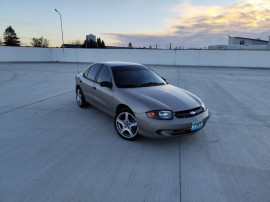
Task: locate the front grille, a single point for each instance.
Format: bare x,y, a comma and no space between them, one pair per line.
189,113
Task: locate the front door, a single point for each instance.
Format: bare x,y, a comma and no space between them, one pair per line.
103,96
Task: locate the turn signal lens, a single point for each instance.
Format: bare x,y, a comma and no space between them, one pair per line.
152,115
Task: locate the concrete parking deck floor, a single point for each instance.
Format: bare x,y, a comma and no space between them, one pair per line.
50,149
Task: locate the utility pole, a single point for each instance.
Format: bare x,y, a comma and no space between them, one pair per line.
61,30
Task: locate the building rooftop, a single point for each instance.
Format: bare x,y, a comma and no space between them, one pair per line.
237,37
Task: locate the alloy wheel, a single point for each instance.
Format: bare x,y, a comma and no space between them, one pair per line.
126,125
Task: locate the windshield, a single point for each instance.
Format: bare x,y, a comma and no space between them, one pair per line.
135,76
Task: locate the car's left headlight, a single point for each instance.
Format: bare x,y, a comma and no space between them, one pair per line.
160,114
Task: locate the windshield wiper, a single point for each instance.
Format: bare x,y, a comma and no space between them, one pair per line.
142,85
151,84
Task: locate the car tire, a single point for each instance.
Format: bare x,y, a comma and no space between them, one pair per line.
126,124
80,98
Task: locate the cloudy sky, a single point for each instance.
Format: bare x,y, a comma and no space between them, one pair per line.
185,23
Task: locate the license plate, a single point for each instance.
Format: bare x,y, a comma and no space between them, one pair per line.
196,125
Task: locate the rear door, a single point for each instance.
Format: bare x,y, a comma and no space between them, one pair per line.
103,96
88,80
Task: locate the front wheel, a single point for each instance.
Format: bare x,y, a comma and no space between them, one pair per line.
126,124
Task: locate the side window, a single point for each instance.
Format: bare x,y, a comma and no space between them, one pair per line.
93,72
104,75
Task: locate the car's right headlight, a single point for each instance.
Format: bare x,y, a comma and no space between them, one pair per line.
204,107
160,114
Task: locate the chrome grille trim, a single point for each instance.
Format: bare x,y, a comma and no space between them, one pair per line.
189,113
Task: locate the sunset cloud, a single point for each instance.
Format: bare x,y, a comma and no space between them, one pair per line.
199,26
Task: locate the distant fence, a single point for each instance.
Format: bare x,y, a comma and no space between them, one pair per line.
224,58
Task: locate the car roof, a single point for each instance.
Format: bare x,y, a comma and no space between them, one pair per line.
116,63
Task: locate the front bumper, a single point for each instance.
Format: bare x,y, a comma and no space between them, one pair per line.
176,127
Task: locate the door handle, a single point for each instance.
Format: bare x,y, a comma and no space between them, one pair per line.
94,88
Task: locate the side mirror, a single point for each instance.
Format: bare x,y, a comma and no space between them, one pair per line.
106,84
165,80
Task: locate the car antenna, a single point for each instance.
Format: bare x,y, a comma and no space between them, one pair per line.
177,68
77,61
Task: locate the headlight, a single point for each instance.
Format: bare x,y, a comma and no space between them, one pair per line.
204,107
162,114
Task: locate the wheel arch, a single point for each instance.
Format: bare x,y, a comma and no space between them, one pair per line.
78,86
122,106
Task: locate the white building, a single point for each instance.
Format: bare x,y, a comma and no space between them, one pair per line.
242,43
234,40
90,37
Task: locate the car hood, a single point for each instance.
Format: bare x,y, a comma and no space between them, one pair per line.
166,97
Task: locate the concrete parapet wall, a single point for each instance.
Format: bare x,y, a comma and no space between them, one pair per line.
224,58
25,54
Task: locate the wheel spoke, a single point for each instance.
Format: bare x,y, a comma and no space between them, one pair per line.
120,121
133,124
123,130
130,132
126,116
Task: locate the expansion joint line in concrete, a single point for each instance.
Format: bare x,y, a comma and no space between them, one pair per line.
237,124
179,139
27,105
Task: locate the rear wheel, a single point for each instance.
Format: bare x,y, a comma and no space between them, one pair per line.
126,124
80,98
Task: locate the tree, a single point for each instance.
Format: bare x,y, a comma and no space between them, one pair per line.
130,45
10,37
100,43
76,42
89,44
92,44
40,42
103,44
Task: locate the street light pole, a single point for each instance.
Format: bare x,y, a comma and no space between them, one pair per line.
61,30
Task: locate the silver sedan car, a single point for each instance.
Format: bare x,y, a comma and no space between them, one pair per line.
141,102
